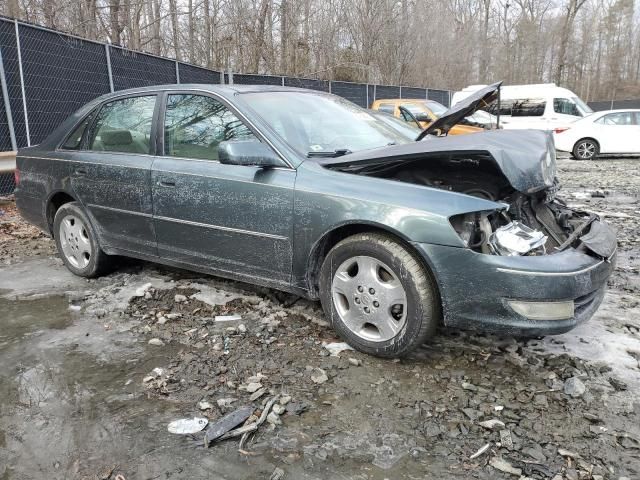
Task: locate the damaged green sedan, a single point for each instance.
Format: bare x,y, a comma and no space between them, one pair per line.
305,192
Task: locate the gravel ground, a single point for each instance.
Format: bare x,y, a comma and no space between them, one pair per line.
144,348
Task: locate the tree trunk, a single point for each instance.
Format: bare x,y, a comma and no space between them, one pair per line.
173,8
114,21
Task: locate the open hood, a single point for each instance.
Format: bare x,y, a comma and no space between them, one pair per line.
526,158
466,107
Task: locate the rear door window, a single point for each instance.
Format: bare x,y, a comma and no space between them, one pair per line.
619,118
74,141
194,126
124,125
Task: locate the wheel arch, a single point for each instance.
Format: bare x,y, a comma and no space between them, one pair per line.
595,140
339,232
55,200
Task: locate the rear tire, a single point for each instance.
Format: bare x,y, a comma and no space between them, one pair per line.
77,242
586,149
378,296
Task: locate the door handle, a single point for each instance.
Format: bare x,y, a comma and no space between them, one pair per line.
166,183
80,172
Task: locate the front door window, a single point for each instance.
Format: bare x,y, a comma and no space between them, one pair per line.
196,124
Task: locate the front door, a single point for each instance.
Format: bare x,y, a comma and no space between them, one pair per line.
231,218
110,174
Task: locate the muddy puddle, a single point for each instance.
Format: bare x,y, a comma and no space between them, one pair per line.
25,317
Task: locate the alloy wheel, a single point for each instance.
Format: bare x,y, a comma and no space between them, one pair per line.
369,298
75,242
586,150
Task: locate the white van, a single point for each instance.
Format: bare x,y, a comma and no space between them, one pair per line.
541,106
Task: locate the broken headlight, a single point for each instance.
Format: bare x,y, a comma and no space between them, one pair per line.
474,229
516,238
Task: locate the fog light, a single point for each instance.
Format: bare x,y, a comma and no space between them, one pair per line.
543,310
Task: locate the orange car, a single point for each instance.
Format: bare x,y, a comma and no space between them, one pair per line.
424,111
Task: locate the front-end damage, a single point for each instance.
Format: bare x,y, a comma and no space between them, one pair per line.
533,265
513,168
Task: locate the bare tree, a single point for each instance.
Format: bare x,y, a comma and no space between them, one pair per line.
591,46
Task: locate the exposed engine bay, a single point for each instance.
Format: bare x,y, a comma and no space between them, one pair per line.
535,223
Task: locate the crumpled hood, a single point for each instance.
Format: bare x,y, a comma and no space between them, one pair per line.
525,157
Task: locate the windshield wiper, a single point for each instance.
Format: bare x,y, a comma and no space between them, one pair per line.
330,154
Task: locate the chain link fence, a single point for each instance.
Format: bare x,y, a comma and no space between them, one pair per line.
614,104
7,184
47,75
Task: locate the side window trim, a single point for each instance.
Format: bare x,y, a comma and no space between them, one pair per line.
91,127
83,140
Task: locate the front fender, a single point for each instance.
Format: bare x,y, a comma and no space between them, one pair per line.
326,200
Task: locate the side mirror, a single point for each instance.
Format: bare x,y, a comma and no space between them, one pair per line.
423,117
247,153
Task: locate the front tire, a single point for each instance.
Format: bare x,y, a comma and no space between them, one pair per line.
77,242
586,149
378,296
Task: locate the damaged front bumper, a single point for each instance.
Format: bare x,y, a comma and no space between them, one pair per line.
479,291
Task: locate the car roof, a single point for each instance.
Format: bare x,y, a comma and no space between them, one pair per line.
224,90
618,110
402,100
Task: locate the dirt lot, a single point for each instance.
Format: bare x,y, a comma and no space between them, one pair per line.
95,370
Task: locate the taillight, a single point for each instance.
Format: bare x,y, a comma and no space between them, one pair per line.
560,130
16,176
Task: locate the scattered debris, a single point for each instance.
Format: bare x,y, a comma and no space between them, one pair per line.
505,439
500,464
567,453
480,451
204,405
278,474
574,387
186,426
335,348
224,424
618,384
319,376
225,402
227,318
253,387
157,342
257,394
492,424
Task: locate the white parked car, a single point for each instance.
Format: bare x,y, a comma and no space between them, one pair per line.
540,106
606,132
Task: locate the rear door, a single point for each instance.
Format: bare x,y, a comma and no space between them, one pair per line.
110,173
230,218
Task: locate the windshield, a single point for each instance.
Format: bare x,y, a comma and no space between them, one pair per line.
410,130
583,107
437,108
314,123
